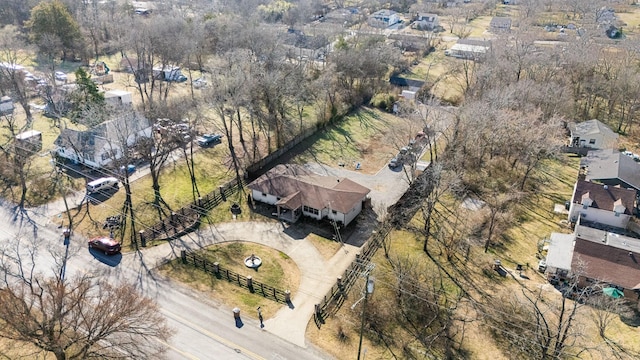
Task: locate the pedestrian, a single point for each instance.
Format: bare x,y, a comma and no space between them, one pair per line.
260,317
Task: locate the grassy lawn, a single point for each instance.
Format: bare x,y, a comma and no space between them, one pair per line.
368,136
327,248
537,220
277,270
479,27
175,186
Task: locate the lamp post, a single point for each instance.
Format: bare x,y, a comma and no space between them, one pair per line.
368,290
67,236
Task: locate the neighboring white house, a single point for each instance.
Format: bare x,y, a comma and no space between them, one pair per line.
384,18
602,204
592,134
296,191
99,146
426,21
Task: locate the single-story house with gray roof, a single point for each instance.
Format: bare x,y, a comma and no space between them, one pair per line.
296,191
610,167
592,134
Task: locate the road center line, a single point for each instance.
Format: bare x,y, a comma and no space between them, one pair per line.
215,337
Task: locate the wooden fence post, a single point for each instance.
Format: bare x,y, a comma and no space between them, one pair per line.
250,283
216,268
224,197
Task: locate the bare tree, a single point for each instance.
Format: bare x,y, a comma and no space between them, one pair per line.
12,83
75,318
536,327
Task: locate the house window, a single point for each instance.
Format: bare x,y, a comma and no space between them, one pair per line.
592,141
311,210
334,212
278,198
264,194
617,214
108,154
585,206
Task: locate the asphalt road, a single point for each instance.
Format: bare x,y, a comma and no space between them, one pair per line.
202,328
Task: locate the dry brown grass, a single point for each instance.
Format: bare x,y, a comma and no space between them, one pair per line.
327,248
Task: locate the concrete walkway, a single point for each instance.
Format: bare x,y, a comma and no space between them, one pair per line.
317,276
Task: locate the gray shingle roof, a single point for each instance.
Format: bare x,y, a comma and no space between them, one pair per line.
591,127
611,164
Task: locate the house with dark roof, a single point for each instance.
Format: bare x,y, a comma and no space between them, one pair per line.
412,84
296,192
99,146
598,256
592,134
500,24
602,204
610,167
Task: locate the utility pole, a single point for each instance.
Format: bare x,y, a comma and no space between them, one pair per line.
66,233
67,238
368,290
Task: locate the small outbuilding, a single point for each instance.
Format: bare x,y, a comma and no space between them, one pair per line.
28,142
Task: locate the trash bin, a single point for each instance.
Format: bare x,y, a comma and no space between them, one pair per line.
236,313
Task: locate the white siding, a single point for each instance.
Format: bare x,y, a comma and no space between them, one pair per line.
353,213
601,216
269,199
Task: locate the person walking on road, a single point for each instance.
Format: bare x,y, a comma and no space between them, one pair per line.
260,317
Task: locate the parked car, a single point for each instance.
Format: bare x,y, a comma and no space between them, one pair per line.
199,83
60,76
102,184
209,139
105,244
542,265
130,169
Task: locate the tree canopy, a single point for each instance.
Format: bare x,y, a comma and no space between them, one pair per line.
52,20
